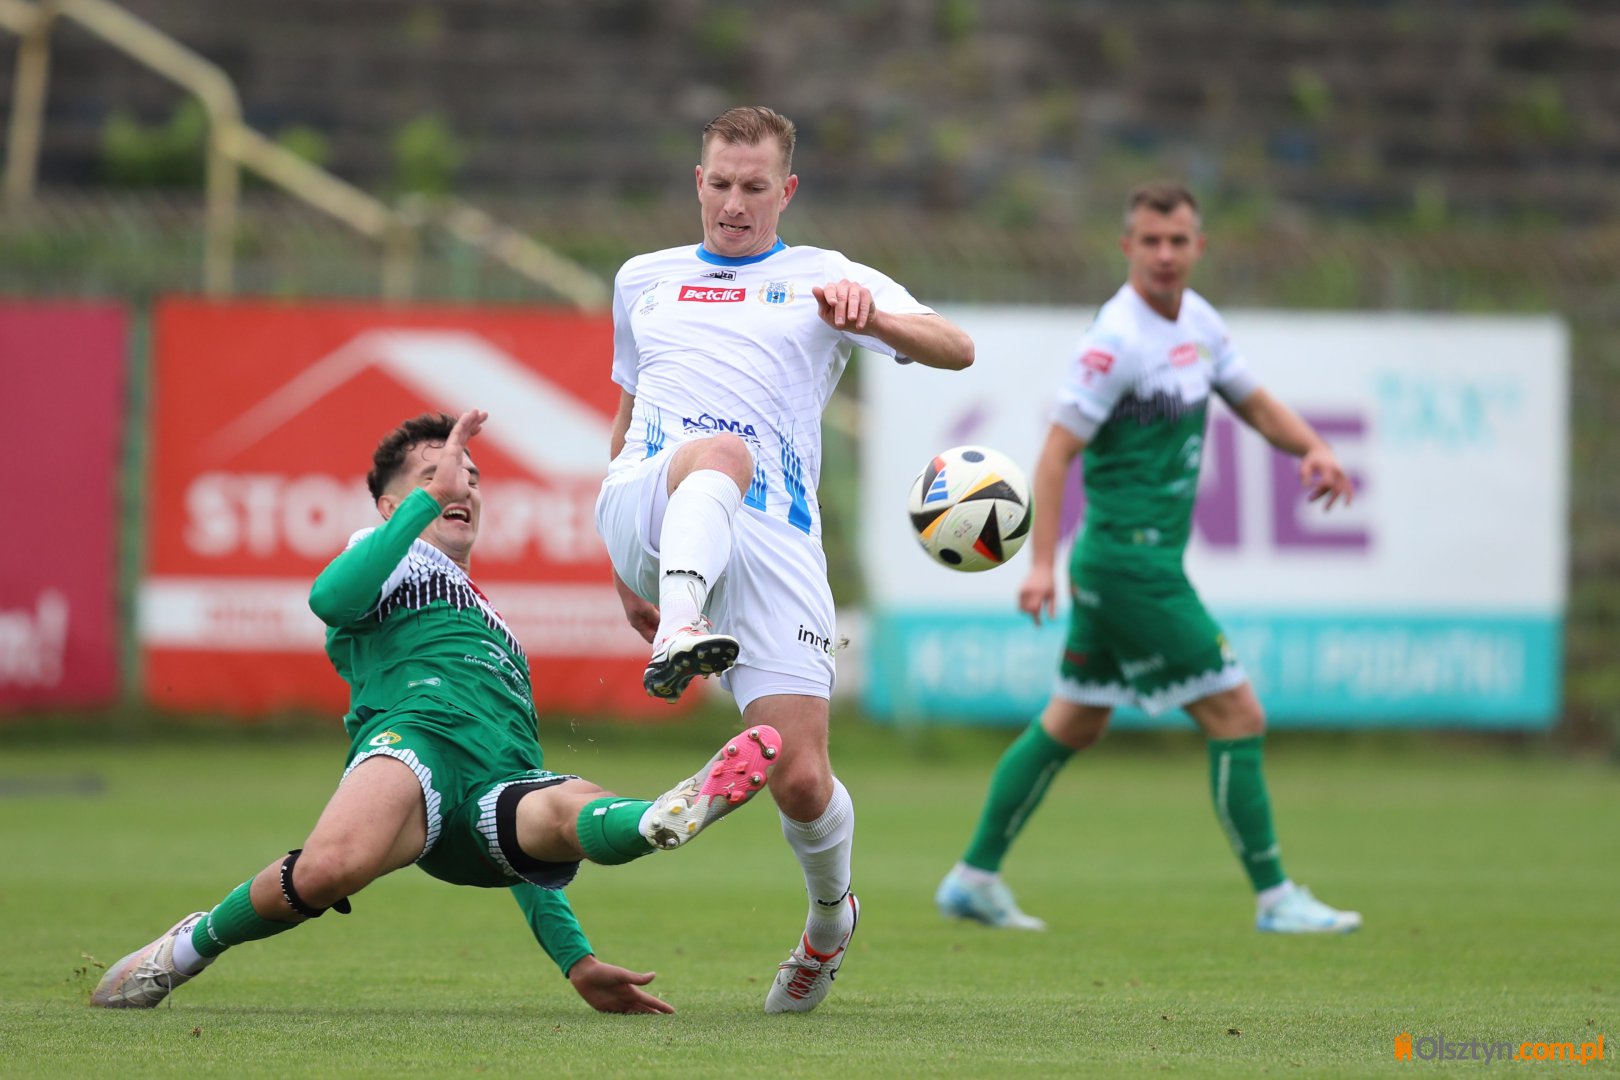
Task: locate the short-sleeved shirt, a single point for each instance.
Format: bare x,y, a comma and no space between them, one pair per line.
1137,391
710,344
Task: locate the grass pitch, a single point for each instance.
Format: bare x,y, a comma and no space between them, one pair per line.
1488,879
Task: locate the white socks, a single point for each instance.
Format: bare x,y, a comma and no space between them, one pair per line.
694,546
1266,897
187,960
973,875
823,848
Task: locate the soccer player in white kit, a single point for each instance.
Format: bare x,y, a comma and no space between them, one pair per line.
726,353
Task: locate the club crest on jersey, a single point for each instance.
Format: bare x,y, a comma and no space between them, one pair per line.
777,292
710,294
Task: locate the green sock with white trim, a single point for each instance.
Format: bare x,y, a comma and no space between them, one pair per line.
1017,787
233,922
1237,784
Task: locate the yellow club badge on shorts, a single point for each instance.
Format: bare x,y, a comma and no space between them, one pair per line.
386,738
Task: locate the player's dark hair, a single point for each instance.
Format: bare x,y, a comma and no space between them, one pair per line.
1161,196
389,457
750,125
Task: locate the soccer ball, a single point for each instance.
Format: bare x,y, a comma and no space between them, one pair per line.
971,508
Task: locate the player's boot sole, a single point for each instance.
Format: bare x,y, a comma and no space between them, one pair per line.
736,773
671,671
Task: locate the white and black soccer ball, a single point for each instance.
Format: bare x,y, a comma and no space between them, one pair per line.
971,508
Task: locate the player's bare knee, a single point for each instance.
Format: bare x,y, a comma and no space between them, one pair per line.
729,454
801,789
1078,727
325,875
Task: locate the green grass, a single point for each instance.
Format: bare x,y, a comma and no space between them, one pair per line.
1488,878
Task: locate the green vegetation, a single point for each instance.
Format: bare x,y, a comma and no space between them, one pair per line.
427,156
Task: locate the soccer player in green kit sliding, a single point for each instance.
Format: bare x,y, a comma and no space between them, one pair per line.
445,768
1134,402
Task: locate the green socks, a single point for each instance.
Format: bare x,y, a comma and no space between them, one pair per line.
1017,786
610,830
232,922
1238,786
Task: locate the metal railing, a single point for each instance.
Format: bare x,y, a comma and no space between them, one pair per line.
232,146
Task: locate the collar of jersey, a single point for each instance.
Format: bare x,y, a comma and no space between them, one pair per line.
747,260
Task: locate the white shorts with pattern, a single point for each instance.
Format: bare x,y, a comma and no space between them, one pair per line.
773,597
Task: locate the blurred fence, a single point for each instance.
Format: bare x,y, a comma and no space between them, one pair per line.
137,247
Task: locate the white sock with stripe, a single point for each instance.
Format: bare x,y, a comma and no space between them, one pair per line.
823,847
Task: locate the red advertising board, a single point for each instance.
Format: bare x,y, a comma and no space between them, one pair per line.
62,379
265,419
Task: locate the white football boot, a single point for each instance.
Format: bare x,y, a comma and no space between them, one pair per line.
989,902
689,652
735,774
1298,912
806,976
147,975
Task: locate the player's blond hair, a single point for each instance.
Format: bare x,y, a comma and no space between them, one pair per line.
1161,196
750,125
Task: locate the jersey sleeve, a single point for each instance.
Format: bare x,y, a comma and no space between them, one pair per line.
626,357
551,920
1098,376
353,583
887,295
1232,378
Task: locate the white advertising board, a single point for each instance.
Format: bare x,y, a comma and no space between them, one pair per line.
1437,598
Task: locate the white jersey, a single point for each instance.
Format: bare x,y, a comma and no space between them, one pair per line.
710,344
1134,359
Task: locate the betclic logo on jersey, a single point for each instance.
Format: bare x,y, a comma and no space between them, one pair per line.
710,294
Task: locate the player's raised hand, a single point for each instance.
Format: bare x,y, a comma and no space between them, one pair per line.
451,479
611,989
844,305
1038,594
1321,474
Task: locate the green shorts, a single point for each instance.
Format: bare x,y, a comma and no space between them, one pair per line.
472,776
1141,639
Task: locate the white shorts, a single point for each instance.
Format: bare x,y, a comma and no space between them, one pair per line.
773,597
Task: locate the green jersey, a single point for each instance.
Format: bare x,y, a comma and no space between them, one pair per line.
404,621
1138,394
437,680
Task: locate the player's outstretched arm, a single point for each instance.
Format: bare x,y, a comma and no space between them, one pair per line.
607,988
930,340
1319,470
1038,594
